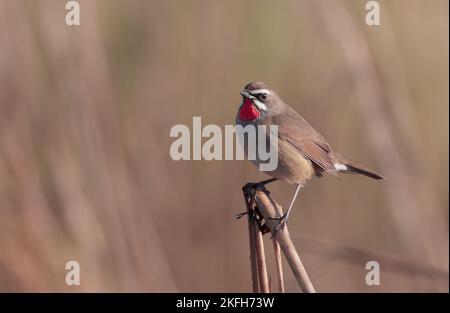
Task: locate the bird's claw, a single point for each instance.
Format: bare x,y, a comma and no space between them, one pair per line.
255,186
281,224
258,186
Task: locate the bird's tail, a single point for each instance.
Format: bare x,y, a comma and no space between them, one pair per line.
344,165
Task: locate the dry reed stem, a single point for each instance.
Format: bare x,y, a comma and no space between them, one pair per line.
266,206
253,262
261,261
277,251
260,280
258,200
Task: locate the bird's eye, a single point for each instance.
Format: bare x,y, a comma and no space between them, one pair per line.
262,96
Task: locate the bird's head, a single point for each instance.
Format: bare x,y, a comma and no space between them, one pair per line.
258,101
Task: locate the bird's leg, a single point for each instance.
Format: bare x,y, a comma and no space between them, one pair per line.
283,219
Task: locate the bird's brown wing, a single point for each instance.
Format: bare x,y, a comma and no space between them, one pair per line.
296,130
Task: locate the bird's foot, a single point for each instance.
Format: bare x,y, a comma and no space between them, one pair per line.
257,186
282,222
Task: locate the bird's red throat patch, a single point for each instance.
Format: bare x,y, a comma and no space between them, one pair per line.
248,111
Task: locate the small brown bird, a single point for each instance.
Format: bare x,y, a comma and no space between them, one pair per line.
302,152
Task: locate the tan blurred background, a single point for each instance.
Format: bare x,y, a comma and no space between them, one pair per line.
85,114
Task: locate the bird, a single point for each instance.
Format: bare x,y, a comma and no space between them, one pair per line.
303,153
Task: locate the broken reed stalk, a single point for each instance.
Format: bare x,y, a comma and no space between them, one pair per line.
259,202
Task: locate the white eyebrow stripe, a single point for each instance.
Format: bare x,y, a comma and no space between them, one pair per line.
256,92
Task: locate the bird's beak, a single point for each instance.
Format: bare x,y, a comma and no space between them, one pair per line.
246,94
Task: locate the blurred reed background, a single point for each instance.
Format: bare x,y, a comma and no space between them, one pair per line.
85,114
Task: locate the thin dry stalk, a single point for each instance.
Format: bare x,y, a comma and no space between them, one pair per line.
261,260
253,262
277,251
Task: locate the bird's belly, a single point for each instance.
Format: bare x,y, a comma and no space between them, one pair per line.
292,167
